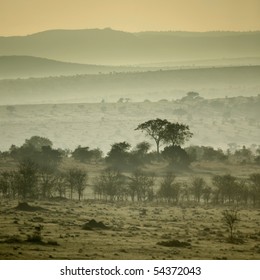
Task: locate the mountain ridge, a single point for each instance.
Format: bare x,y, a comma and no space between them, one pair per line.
108,46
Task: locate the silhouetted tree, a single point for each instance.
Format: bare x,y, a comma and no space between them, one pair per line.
8,184
176,134
118,156
27,179
38,142
47,182
141,186
84,154
76,180
176,156
169,189
139,156
198,184
110,184
230,218
60,183
155,129
226,185
254,180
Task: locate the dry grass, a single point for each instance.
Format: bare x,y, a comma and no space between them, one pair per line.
130,234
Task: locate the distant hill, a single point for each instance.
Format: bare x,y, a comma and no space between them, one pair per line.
109,47
153,85
214,122
12,67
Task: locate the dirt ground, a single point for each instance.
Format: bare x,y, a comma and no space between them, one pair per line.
128,231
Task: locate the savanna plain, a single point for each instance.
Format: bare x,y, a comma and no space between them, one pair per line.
131,203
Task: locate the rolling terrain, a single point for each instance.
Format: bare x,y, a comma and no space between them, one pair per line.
13,67
214,122
110,47
214,82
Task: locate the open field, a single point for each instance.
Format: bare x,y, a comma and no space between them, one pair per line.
133,232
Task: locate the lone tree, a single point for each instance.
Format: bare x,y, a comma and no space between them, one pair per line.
230,218
155,129
165,131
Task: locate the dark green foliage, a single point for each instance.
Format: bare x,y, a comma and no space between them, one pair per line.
39,150
177,157
198,153
139,156
155,129
226,186
37,143
198,187
27,179
8,184
254,180
84,154
47,182
176,134
76,180
110,184
169,189
140,186
118,156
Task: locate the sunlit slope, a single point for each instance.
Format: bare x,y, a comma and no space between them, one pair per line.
107,46
153,85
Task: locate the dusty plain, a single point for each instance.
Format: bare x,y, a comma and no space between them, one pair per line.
132,231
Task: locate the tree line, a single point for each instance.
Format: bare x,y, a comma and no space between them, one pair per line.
39,173
31,182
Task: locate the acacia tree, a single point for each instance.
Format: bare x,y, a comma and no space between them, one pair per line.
165,131
155,129
176,134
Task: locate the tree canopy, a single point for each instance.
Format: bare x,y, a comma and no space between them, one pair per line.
164,131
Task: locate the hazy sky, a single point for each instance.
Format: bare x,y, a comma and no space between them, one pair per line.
20,17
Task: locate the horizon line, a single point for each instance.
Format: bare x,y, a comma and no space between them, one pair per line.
137,32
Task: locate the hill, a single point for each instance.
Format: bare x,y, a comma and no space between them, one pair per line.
12,67
153,85
107,46
214,122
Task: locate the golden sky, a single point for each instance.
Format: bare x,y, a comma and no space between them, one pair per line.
21,17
